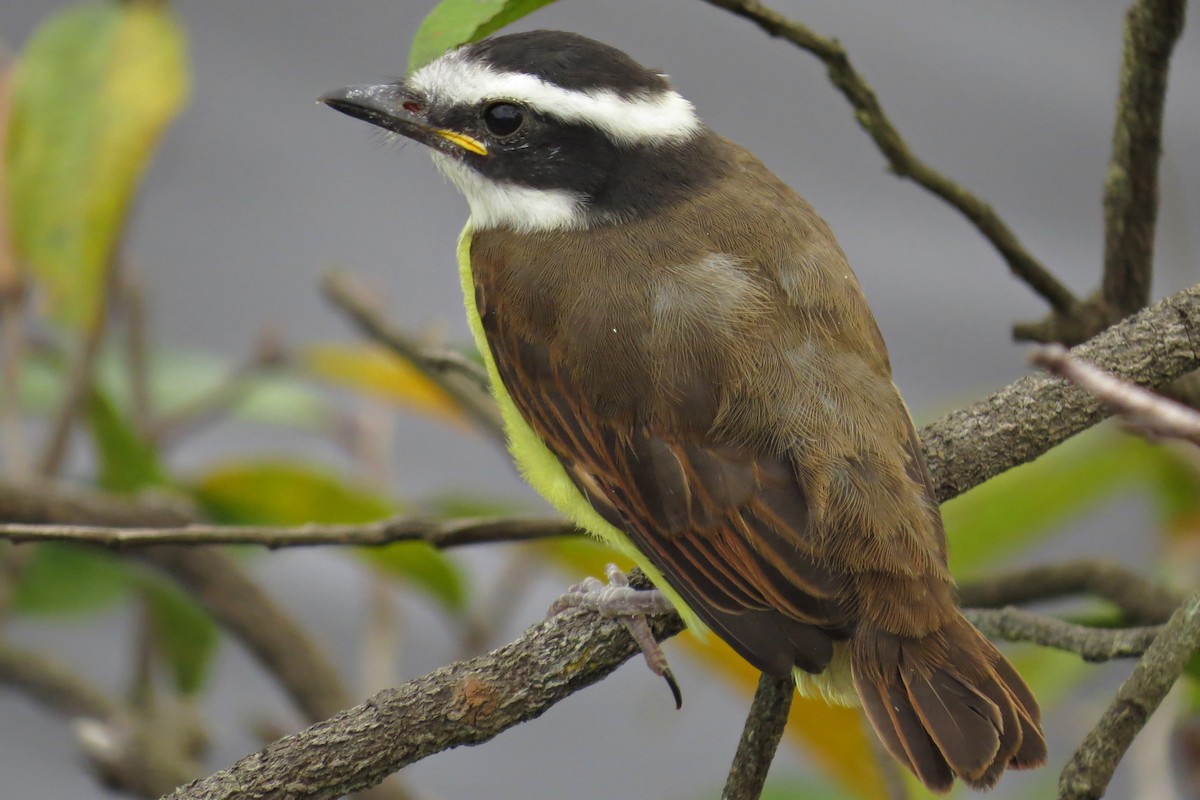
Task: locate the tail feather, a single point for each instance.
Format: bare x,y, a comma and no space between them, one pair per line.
947,705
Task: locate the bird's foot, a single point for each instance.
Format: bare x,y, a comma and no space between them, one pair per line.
620,601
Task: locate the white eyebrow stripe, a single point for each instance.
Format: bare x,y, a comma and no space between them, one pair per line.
643,119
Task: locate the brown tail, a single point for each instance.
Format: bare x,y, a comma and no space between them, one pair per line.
947,705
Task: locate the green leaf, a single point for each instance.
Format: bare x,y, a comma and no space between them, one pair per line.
455,22
272,493
95,89
182,633
70,580
127,462
280,493
422,566
1018,507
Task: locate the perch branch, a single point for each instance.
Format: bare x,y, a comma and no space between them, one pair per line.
465,703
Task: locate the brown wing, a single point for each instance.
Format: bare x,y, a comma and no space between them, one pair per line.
727,528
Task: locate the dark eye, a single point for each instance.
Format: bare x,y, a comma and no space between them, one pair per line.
503,119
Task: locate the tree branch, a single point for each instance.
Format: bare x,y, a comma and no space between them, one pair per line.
465,703
760,738
211,576
439,533
902,161
1131,184
460,378
1037,412
1149,413
1088,772
1141,600
1090,644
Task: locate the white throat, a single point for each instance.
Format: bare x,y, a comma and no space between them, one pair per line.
508,205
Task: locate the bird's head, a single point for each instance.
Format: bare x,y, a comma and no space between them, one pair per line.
545,130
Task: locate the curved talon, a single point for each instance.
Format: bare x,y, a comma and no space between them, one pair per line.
678,695
618,600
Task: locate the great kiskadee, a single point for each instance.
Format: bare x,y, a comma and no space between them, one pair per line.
688,369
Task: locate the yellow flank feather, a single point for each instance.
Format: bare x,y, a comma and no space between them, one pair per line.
539,466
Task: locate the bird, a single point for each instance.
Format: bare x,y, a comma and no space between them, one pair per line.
688,368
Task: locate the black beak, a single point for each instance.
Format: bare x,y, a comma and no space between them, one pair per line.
394,108
388,105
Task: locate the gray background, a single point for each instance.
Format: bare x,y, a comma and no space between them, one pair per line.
257,191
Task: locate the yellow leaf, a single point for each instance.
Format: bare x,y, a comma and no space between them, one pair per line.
369,369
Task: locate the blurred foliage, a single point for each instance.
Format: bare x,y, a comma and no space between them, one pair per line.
94,91
370,370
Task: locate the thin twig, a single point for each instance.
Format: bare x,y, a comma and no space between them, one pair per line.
1146,411
1131,184
53,685
1090,769
1141,600
465,382
219,401
211,576
1090,644
137,349
79,384
440,533
760,738
902,160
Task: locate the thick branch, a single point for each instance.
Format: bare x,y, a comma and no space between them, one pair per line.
903,162
760,738
1152,414
1131,185
1088,772
1141,600
465,703
1037,412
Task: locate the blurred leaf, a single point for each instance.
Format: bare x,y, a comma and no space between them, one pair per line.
372,370
423,566
1019,507
127,463
70,580
177,377
94,91
455,22
283,493
276,493
182,633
